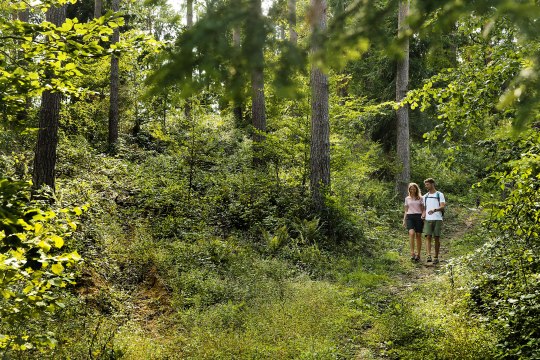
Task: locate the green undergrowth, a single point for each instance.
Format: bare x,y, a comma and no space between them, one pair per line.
235,265
252,307
430,322
306,320
426,314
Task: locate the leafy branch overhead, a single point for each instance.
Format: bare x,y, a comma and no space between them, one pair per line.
41,56
504,38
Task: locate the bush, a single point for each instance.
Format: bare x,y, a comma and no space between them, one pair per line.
34,269
506,287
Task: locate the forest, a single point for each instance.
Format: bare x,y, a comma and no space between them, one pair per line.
226,179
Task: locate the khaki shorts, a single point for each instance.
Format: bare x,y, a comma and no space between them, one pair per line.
432,227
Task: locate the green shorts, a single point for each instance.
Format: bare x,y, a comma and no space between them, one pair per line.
432,227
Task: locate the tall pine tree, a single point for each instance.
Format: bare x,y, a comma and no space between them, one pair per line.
402,83
320,125
114,112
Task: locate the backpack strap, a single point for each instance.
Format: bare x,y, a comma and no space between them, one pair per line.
427,196
437,195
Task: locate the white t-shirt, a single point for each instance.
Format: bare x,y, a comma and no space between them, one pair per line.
432,203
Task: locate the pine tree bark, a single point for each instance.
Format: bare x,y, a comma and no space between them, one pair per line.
189,13
237,101
402,84
320,125
256,34
49,117
293,35
258,108
114,112
98,5
22,114
189,24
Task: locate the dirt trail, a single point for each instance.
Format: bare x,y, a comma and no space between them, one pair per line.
420,273
424,271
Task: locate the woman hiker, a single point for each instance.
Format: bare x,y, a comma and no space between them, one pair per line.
412,219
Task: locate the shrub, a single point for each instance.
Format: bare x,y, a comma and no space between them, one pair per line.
33,267
506,287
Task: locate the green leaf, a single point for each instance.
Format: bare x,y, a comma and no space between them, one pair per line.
58,241
67,25
37,228
45,246
57,269
75,256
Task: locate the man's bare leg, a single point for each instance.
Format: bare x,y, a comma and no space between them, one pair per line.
428,245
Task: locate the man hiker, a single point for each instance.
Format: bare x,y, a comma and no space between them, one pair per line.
434,204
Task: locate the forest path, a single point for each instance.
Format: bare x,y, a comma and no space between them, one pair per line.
424,271
410,278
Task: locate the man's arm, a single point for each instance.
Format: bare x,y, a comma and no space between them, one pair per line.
441,206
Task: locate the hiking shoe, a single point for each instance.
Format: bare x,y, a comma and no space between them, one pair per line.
429,258
413,257
417,258
435,261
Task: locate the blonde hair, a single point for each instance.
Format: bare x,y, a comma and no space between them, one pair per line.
418,191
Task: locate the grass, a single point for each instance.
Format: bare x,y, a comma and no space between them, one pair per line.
430,322
369,308
208,297
427,317
311,320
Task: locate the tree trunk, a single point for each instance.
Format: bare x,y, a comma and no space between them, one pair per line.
98,4
256,33
237,101
138,121
320,125
49,116
189,24
402,83
342,88
189,13
293,35
22,114
114,91
258,107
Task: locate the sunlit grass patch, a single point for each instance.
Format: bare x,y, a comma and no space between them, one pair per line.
364,280
309,320
430,322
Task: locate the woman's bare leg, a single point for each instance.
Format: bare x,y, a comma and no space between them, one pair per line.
411,241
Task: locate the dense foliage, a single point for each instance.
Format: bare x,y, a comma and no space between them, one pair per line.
34,269
200,239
